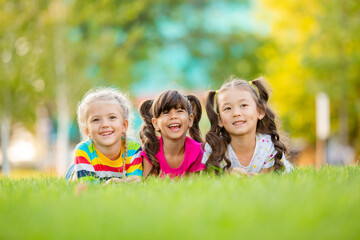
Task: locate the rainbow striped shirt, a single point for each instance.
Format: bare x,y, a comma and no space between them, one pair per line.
89,162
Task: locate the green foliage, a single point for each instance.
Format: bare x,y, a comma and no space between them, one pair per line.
54,46
19,81
50,45
315,47
321,204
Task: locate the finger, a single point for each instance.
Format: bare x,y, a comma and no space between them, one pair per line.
239,171
133,179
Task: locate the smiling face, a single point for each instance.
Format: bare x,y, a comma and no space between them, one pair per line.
105,124
173,124
238,112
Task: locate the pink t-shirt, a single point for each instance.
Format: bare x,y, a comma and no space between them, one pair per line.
191,163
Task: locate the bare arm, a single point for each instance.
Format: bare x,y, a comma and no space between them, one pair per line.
147,167
267,170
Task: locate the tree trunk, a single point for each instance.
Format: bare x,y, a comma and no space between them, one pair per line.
62,146
344,123
5,139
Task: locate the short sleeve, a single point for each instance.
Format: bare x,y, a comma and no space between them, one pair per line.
70,173
288,166
270,161
197,165
207,152
82,165
144,156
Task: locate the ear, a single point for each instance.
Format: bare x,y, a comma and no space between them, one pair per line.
191,120
220,123
261,113
125,126
86,131
155,124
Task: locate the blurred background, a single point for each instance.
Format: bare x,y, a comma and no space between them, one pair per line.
53,51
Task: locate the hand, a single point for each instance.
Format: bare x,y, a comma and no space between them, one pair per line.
128,179
133,179
114,180
81,187
241,172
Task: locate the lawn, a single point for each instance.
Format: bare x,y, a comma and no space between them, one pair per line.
306,204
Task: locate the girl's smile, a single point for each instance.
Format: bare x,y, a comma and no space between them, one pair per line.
175,127
238,112
174,123
239,123
105,125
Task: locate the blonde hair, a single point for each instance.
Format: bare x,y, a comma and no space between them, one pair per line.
101,95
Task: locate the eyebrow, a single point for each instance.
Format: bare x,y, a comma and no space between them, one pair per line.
241,100
112,113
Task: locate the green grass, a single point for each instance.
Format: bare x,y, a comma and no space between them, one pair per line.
306,204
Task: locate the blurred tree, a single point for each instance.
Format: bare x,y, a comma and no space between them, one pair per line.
197,45
88,47
53,51
20,84
316,47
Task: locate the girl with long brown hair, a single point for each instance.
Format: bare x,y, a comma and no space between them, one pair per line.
167,120
243,135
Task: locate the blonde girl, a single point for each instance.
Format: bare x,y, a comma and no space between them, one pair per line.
106,152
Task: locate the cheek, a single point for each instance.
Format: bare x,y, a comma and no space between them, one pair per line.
224,116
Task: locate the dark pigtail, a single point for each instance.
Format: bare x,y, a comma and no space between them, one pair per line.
194,131
267,125
217,137
148,135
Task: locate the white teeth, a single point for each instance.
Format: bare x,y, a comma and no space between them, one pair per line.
174,125
106,133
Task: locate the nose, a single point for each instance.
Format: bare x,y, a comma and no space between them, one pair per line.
105,123
237,112
173,114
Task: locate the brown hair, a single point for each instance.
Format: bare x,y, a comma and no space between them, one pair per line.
219,139
166,101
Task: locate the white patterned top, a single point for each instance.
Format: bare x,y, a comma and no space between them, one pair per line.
263,156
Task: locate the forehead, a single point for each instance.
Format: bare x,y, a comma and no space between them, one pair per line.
103,108
233,95
168,102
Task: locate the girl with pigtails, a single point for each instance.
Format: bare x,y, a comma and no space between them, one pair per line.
167,151
243,136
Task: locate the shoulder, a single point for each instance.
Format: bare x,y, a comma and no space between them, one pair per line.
84,144
264,143
207,148
194,148
133,148
263,137
85,147
192,143
207,152
132,144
